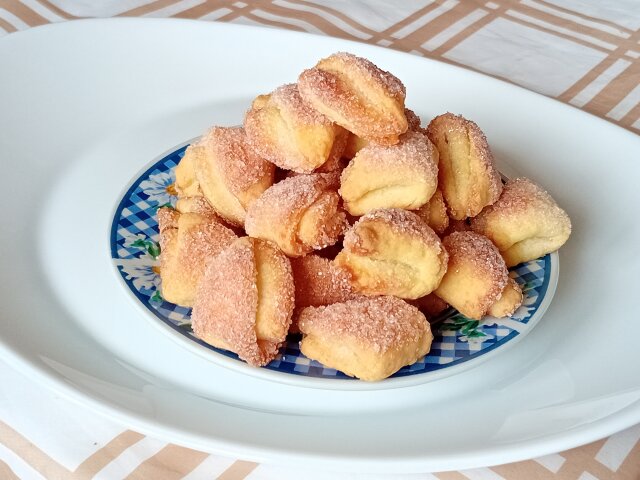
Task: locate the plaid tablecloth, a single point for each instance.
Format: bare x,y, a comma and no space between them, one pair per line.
583,52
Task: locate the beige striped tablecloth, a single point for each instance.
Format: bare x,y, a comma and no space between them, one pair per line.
583,52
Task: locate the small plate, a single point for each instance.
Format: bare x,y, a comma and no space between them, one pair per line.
457,339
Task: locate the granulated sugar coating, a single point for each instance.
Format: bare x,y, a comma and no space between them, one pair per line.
320,282
413,121
198,243
224,313
521,195
484,184
379,323
525,223
414,150
483,258
476,249
369,71
277,213
167,218
187,242
356,94
196,205
237,163
401,222
287,97
414,157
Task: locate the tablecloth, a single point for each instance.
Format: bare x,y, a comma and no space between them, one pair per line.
582,52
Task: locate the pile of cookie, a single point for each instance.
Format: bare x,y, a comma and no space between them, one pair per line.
333,213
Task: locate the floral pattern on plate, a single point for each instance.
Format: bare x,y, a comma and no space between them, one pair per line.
135,251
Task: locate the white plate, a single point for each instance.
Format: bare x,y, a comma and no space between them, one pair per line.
84,105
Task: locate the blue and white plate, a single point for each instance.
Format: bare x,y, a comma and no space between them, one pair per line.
135,251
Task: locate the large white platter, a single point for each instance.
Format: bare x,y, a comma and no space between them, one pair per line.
84,106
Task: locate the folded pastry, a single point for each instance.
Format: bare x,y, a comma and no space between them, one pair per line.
476,275
186,182
393,252
196,204
190,196
369,338
319,281
404,175
356,94
509,301
300,214
434,213
525,223
229,172
356,143
467,175
245,301
289,133
187,241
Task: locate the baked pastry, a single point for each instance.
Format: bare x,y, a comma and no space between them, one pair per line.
404,175
300,214
245,301
356,94
319,281
434,213
186,183
356,143
187,188
431,305
368,338
509,301
525,223
393,252
467,175
476,275
289,133
230,174
196,204
187,241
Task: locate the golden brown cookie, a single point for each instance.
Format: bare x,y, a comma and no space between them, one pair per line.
187,242
356,143
525,223
404,175
230,173
467,175
300,214
245,301
356,94
393,252
289,133
434,213
186,183
319,281
476,274
509,301
369,338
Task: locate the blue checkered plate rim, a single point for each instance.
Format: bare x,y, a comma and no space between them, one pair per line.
457,339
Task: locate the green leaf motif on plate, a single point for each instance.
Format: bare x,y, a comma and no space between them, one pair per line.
466,326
